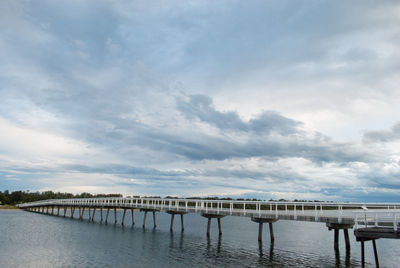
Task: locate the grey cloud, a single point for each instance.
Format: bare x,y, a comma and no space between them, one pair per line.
201,107
383,136
259,142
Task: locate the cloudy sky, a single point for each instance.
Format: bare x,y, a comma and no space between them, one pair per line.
266,99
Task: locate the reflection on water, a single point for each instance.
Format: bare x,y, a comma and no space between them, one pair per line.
34,240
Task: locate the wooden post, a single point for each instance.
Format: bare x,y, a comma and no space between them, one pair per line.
58,211
182,225
346,239
133,218
375,253
65,211
90,214
154,219
72,212
219,226
171,228
208,227
115,216
260,228
336,242
101,215
123,217
271,232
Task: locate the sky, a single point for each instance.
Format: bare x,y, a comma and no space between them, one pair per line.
252,99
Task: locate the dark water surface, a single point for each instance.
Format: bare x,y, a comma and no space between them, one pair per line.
34,240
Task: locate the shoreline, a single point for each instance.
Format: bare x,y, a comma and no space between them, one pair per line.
8,207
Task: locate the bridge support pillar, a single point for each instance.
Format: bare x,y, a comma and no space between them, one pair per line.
108,211
173,213
362,240
346,238
115,216
145,216
260,222
65,211
133,217
123,217
58,211
371,234
182,225
101,215
171,227
72,212
336,227
154,219
209,217
94,212
90,214
144,219
52,210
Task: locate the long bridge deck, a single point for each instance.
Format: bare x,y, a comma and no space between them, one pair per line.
370,220
376,214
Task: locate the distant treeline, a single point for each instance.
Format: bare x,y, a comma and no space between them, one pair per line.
18,197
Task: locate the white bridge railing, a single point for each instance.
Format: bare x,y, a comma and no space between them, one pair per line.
377,218
359,213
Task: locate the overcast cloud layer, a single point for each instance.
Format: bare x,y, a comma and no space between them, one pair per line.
265,99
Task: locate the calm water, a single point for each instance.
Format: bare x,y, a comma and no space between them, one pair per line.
34,240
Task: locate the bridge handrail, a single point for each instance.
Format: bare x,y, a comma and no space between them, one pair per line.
147,200
377,218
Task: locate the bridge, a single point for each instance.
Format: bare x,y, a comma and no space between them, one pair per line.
370,221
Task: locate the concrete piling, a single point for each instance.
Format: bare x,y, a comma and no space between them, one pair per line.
123,217
108,212
94,212
346,239
337,227
144,219
261,222
133,217
208,227
260,228
375,253
182,225
209,217
171,227
362,255
173,213
336,240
